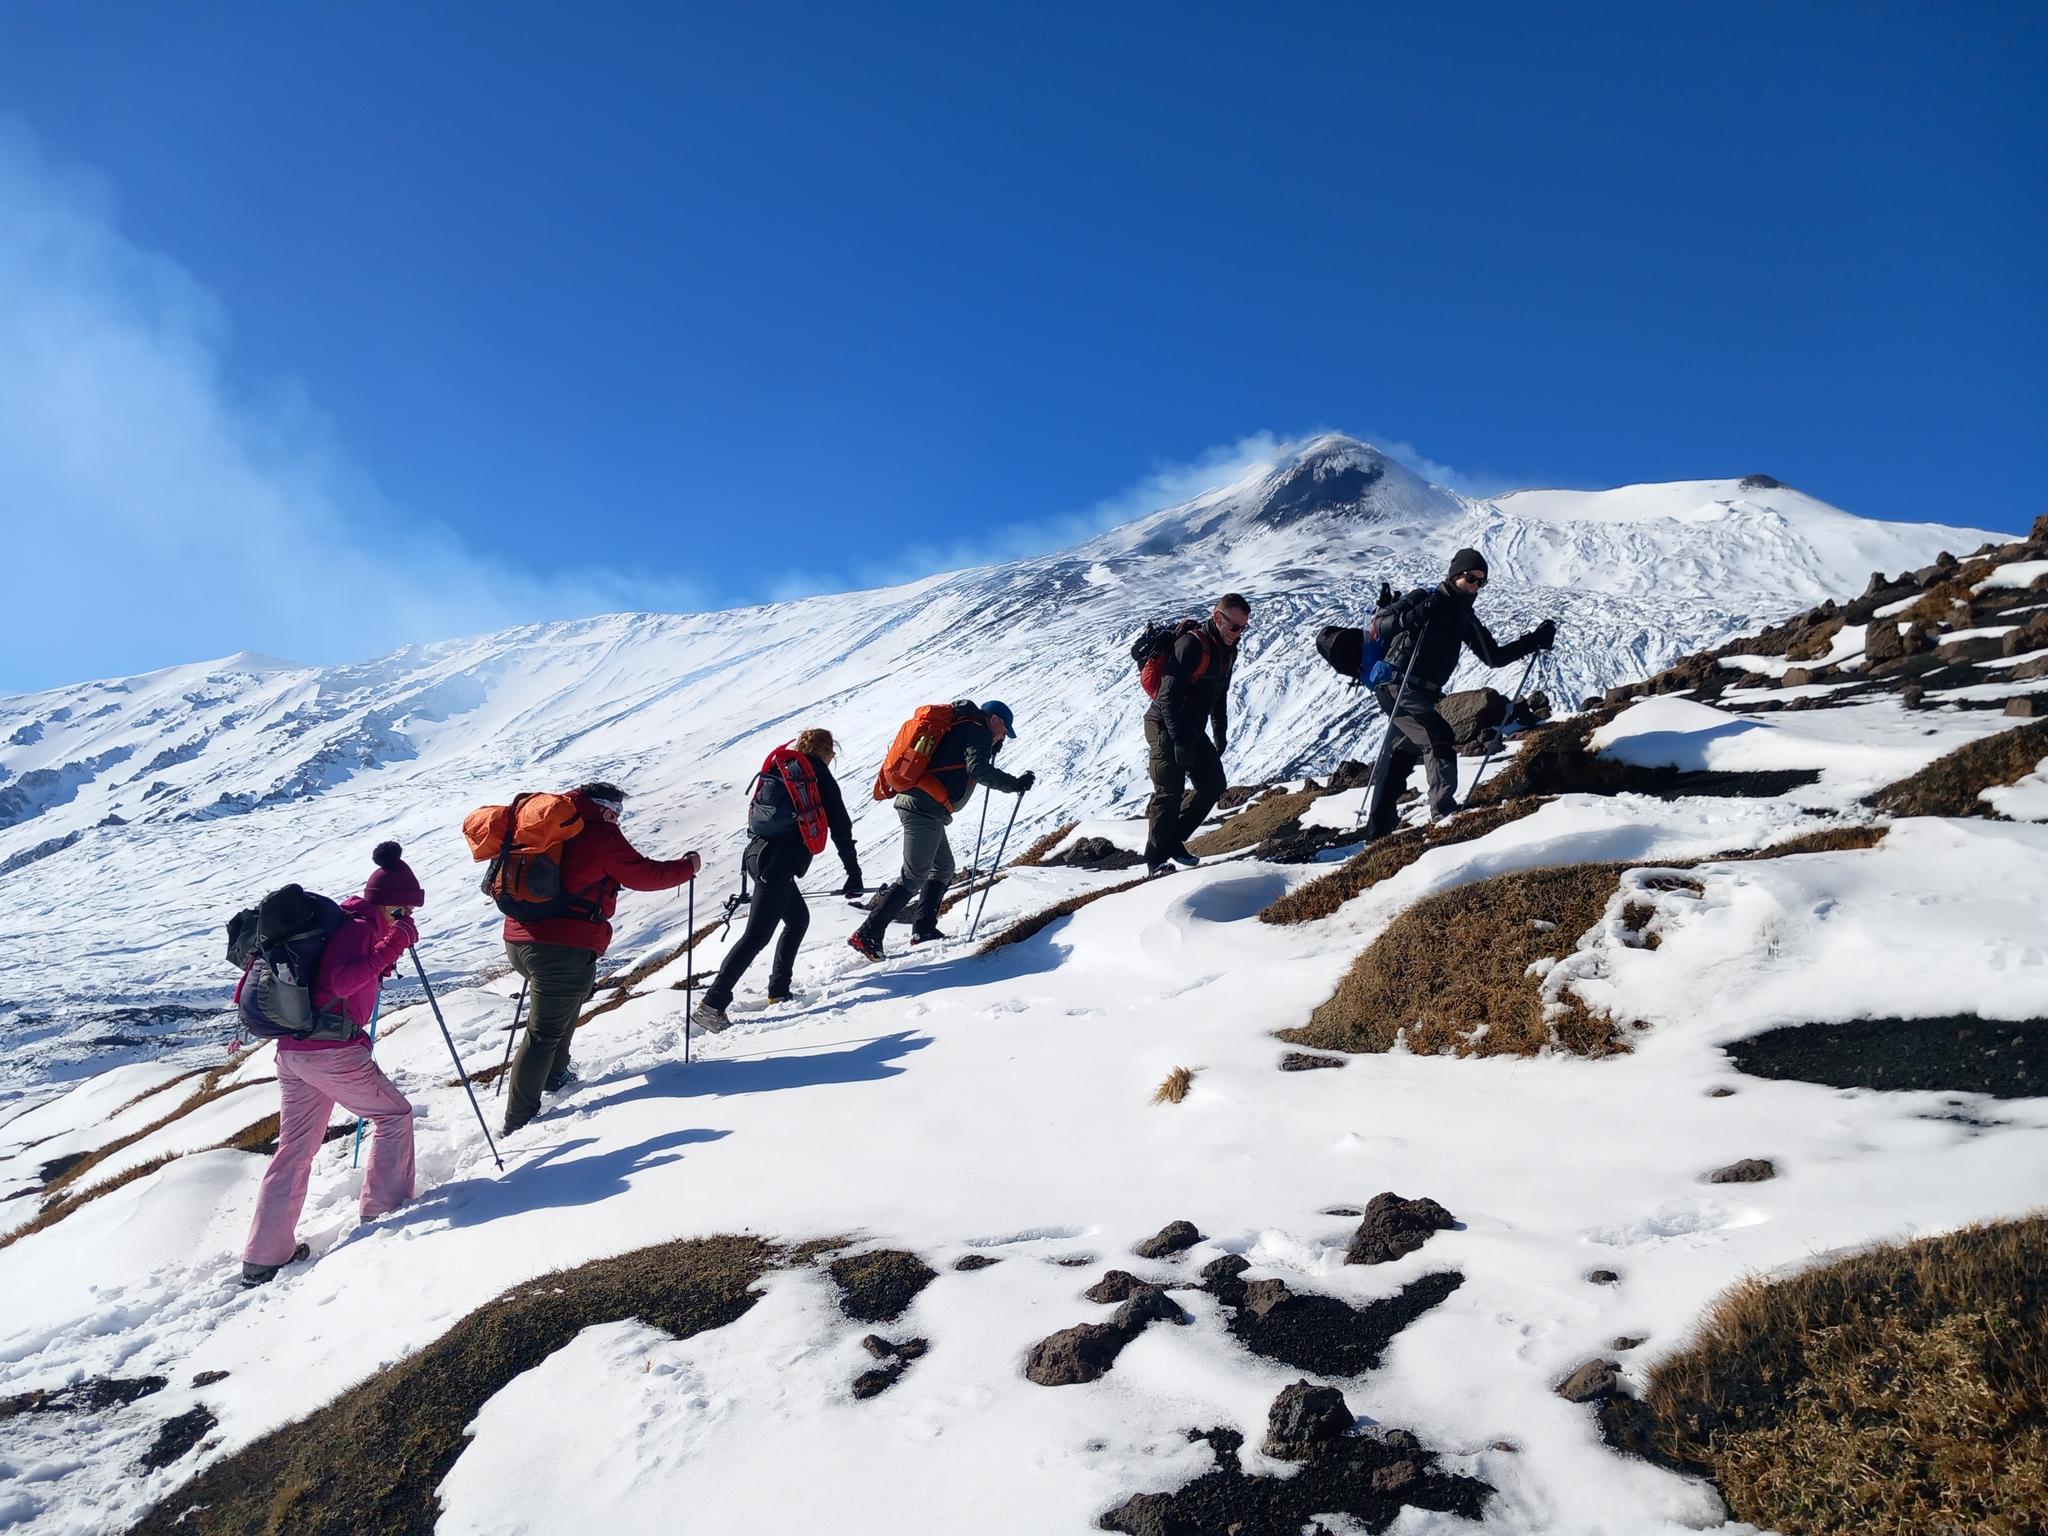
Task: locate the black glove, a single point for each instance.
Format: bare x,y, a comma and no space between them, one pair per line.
1544,635
854,884
1026,779
1221,738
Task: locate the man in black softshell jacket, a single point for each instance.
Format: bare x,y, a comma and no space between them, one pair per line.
1429,627
1192,702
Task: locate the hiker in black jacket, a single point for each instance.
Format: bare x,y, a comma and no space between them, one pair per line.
965,757
1192,702
777,857
1428,627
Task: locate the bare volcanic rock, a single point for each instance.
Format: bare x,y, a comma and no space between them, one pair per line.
93,1395
1591,1382
1368,1477
1118,1285
1323,1334
175,1437
1748,1170
1304,1419
1087,1350
1073,1355
1169,1239
1096,853
1393,1228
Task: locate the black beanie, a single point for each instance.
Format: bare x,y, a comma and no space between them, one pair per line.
1467,560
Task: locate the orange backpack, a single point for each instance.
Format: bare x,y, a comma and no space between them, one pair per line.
907,765
524,842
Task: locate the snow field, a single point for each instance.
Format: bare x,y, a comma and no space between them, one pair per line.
952,1104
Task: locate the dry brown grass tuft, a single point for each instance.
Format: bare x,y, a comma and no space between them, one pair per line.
635,975
1815,643
1899,1392
1038,922
56,1210
1950,785
1386,858
1847,839
203,1093
1450,975
150,1093
1636,917
1255,823
372,1459
1035,854
1937,605
1549,757
1175,1087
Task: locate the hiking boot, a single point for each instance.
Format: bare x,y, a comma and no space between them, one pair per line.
709,1019
1185,859
254,1275
557,1081
864,946
927,936
1163,867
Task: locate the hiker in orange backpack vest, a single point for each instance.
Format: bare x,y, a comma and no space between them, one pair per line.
1189,679
930,771
557,865
795,806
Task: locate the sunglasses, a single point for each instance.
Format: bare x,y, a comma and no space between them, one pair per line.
1470,578
1235,626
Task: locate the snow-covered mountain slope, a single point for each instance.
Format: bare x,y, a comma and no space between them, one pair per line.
137,813
995,1109
991,1114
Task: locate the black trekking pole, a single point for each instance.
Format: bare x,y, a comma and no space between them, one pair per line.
690,967
1379,767
1520,688
1017,806
974,864
434,1003
512,1035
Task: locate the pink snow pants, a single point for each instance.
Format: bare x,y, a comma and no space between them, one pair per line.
310,1084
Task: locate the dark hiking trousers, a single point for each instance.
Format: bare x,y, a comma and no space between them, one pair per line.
927,868
1182,798
560,979
775,900
1419,733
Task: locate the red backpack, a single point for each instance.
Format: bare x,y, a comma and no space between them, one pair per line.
786,800
1154,648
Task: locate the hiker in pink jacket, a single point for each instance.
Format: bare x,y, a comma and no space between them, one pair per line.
313,1076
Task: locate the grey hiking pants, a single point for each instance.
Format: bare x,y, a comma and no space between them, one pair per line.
1418,732
927,867
560,979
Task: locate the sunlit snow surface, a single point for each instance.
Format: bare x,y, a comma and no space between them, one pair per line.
1000,1106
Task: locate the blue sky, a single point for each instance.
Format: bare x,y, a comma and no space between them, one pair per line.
470,313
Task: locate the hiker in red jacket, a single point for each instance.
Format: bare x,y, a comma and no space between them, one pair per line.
558,955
